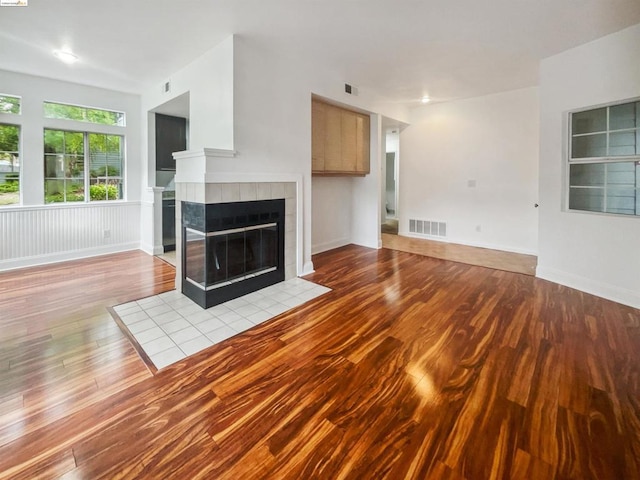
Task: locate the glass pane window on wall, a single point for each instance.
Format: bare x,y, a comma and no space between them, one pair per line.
70,178
9,164
604,160
84,114
63,166
105,166
10,104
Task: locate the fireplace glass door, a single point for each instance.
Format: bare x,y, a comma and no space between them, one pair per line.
220,258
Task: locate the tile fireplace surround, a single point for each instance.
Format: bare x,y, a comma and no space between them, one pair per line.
199,181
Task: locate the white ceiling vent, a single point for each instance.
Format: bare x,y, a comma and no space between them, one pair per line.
428,227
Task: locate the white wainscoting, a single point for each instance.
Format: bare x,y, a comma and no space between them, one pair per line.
46,234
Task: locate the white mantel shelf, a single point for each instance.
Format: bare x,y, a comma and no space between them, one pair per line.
195,165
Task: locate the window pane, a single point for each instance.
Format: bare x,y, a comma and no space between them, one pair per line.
9,164
83,114
623,116
621,174
54,166
622,143
63,166
605,187
589,121
9,104
74,166
589,146
621,200
106,167
74,142
54,191
589,199
53,141
587,174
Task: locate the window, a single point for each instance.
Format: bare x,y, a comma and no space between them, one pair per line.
604,159
9,164
69,174
83,114
9,104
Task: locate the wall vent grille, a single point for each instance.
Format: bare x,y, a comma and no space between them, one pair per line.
428,227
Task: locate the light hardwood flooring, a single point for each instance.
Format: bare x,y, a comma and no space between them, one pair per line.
483,257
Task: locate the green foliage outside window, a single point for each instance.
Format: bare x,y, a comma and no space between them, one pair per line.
9,164
9,104
83,114
67,167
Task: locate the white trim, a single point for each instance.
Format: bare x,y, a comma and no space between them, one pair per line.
61,205
67,256
308,269
205,152
324,247
587,285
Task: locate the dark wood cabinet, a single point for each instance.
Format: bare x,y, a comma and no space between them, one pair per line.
171,136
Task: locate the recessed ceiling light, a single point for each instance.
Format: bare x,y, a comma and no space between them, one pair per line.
425,99
65,56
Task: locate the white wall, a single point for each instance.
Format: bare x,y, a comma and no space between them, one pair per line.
272,133
595,253
331,212
492,140
32,233
208,81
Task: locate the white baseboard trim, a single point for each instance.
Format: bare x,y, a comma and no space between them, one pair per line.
66,256
323,247
588,285
307,269
151,250
492,246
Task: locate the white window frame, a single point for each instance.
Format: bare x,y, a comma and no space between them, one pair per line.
603,160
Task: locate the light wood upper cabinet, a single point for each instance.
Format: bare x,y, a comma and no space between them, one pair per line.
332,129
318,120
340,140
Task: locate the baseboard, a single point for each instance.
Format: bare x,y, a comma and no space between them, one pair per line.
323,247
307,269
588,285
491,246
151,250
66,256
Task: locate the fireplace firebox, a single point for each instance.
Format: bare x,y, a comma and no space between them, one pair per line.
231,249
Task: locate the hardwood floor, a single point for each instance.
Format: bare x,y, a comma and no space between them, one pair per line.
482,257
412,367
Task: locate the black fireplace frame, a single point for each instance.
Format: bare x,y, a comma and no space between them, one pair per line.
217,217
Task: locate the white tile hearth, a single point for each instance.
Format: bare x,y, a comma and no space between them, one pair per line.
169,327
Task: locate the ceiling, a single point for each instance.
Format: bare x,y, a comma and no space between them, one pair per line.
398,49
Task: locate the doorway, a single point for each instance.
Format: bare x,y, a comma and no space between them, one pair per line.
390,176
168,133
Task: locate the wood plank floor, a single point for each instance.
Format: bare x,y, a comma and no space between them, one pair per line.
482,257
412,367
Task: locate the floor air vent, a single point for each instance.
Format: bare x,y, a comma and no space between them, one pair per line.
427,227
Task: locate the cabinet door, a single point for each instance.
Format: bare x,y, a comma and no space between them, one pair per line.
349,141
171,136
333,140
318,135
363,144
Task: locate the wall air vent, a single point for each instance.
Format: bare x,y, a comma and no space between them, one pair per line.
428,227
350,89
166,87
